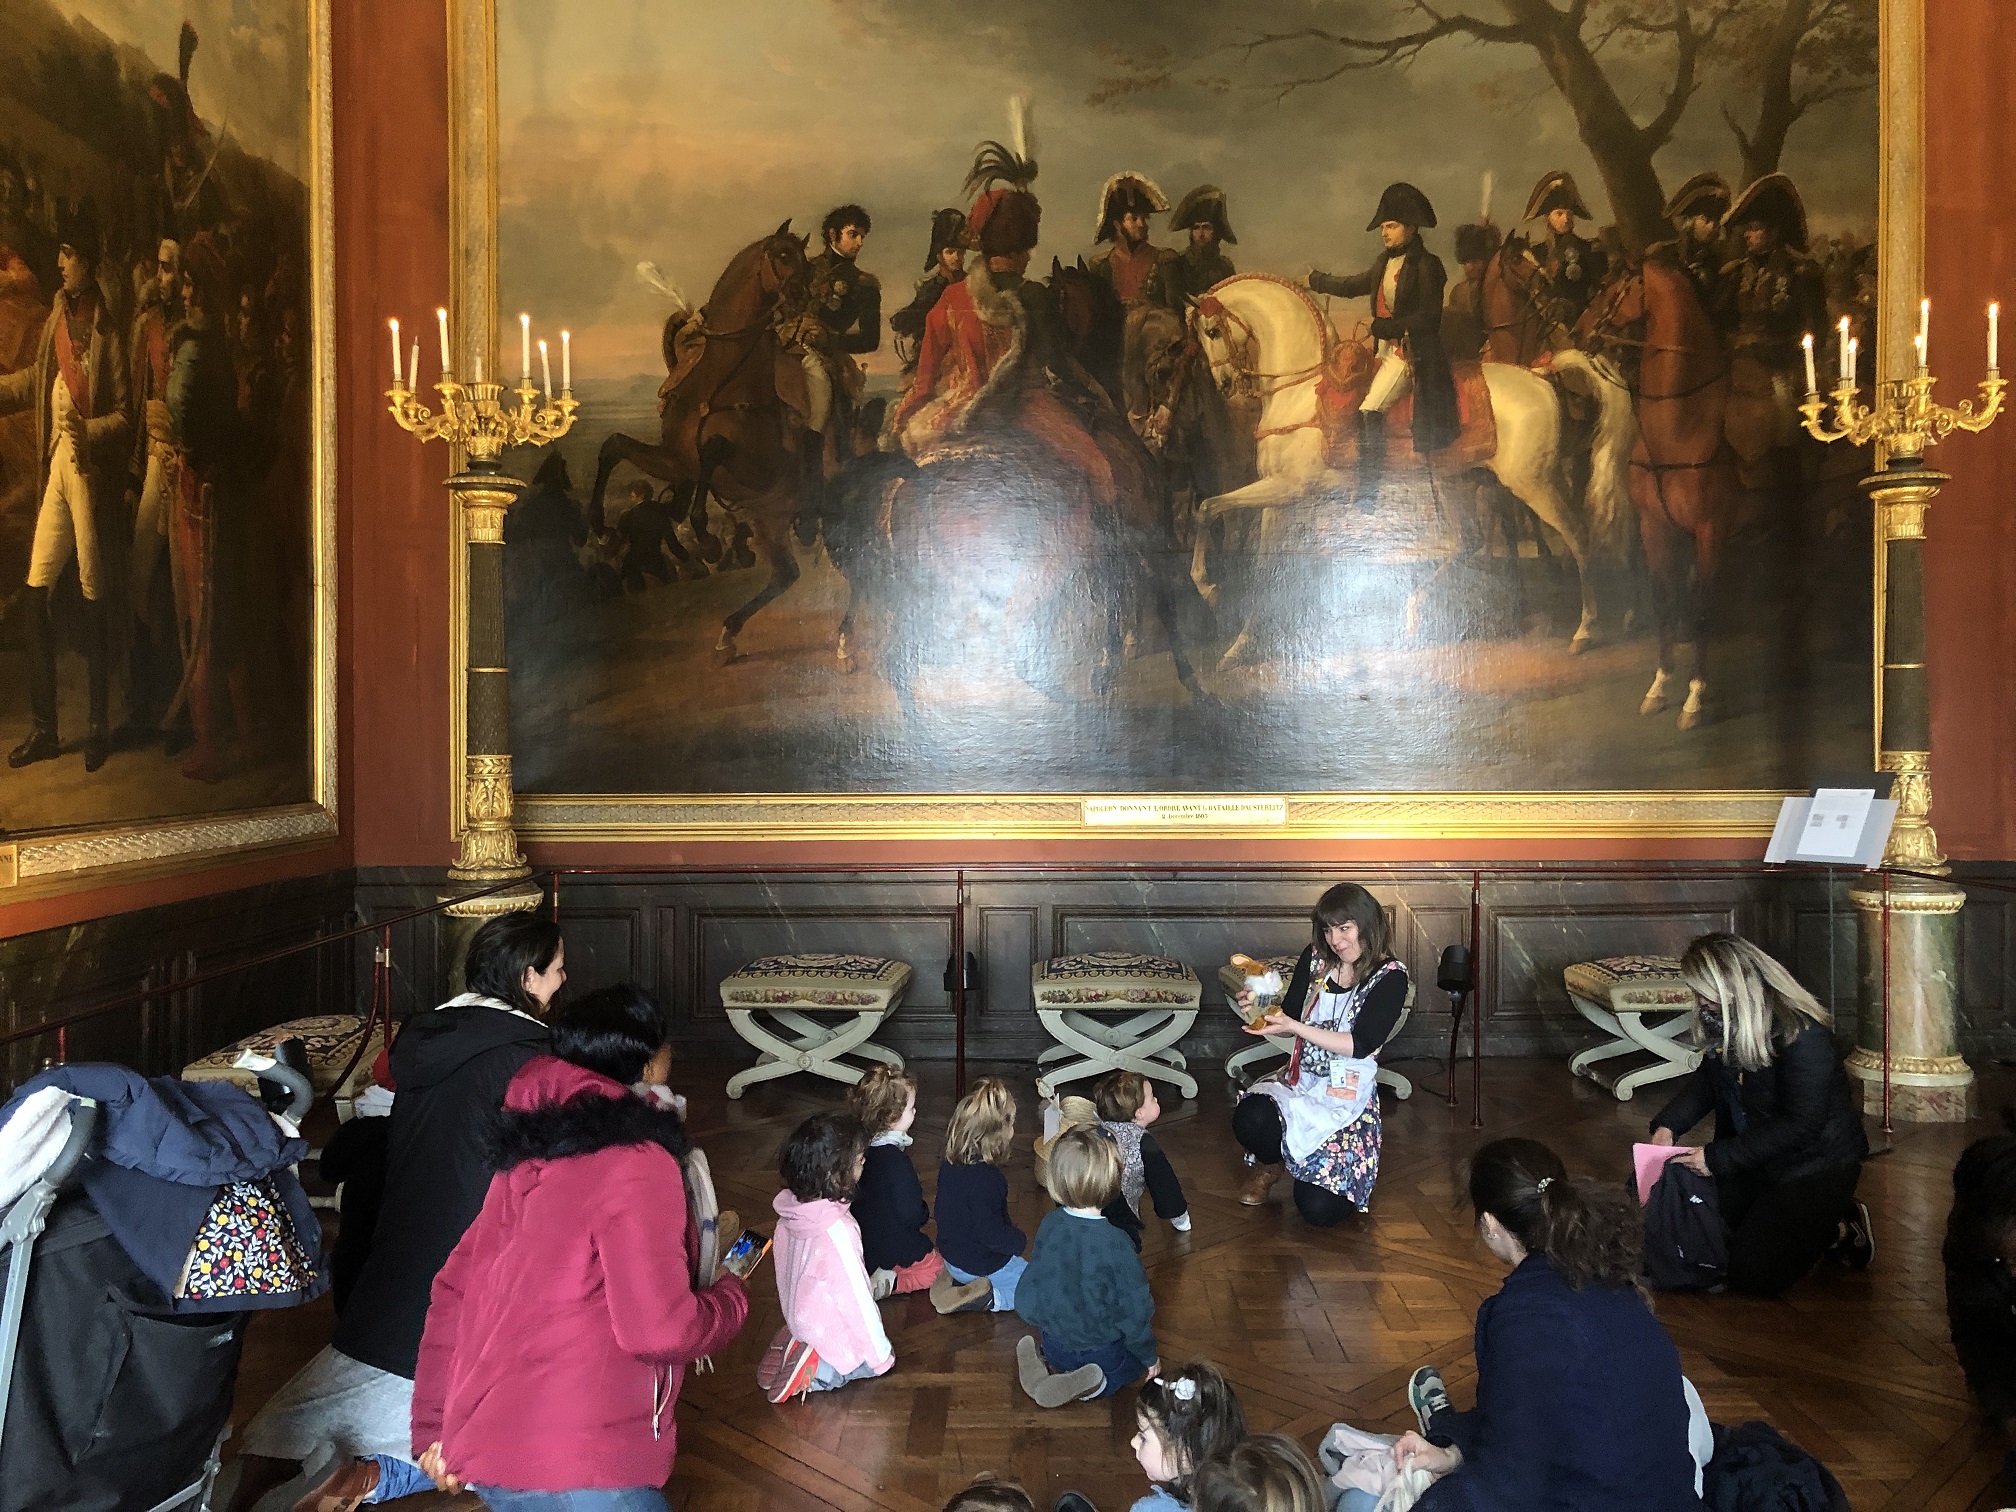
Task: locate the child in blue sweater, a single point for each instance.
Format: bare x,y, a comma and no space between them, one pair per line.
1084,1288
975,1235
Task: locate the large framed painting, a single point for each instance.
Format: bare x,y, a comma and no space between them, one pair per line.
1119,418
167,672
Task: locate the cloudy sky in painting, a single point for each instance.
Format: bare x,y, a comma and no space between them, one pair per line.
679,132
250,72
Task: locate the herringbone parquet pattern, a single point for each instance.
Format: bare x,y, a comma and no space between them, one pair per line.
1313,1327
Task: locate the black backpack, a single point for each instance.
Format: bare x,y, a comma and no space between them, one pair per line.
1686,1245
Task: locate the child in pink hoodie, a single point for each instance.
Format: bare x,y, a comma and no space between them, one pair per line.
832,1332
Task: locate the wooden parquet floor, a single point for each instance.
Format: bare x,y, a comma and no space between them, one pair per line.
1312,1327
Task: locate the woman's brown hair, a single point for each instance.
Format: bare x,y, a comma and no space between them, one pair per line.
1589,1231
983,1124
1348,903
879,1098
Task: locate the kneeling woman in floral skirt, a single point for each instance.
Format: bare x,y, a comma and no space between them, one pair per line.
1320,1115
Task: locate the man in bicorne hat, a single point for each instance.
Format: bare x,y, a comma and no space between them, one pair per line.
1776,295
1405,285
1571,266
1133,264
78,390
1202,264
1696,211
944,266
992,337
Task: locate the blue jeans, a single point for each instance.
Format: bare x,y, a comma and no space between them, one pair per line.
826,1378
397,1478
1004,1281
1354,1500
630,1499
1116,1360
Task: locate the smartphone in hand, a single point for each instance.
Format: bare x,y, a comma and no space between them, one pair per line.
745,1254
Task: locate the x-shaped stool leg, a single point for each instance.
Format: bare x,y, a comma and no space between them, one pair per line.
816,1049
1144,1043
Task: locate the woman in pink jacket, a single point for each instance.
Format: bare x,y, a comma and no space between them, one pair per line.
562,1325
832,1333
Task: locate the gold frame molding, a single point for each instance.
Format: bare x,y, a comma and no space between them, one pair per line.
36,864
644,818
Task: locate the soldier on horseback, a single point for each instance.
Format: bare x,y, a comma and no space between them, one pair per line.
944,266
1777,293
1133,264
1696,211
1463,318
1405,284
1572,266
841,318
1203,262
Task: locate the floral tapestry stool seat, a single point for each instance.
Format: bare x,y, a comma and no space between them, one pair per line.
1233,980
1641,1003
332,1041
1155,998
770,1002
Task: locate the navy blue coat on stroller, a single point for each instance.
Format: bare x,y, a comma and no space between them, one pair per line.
157,1216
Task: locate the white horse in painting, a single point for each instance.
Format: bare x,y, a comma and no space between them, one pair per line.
1268,333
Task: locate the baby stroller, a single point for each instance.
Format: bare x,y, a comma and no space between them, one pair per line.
117,1387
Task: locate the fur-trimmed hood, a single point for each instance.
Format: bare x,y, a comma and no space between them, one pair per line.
555,1110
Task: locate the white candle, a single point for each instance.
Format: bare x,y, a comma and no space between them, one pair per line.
1994,330
566,362
399,378
524,349
1847,366
1812,378
414,371
1854,350
479,366
546,368
1924,329
1919,342
446,363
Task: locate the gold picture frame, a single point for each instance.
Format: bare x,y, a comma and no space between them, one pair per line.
36,864
643,818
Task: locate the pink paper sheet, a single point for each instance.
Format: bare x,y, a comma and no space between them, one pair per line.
1649,1160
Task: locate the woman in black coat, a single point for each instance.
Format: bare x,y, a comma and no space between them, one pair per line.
1789,1143
1980,1286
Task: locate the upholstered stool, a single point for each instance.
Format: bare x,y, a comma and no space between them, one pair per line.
332,1040
1233,980
1159,997
1641,1003
785,989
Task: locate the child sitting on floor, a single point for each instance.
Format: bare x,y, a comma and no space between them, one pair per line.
889,1204
1268,1472
981,1246
987,1494
832,1333
1181,1420
1127,1106
1084,1288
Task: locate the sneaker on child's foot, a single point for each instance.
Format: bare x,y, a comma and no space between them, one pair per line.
795,1370
950,1296
882,1283
1054,1390
1427,1396
346,1488
1857,1246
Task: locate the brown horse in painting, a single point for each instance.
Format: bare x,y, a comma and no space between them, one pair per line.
1683,476
1515,329
725,429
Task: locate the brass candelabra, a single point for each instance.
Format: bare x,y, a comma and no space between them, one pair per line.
1903,420
476,418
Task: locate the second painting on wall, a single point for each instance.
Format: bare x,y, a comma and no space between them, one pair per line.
1180,398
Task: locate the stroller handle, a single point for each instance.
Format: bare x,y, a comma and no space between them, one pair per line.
83,1129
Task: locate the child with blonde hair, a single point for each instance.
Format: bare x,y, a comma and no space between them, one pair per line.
889,1201
1268,1472
1127,1108
1084,1288
981,1245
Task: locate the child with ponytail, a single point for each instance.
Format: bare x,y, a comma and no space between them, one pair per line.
1580,1403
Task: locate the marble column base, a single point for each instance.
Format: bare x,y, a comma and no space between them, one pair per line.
1930,1082
1946,1095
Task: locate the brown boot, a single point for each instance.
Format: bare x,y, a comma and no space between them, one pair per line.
1257,1183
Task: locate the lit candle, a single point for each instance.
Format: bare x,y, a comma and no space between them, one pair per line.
524,350
1919,342
1924,330
1994,330
414,371
1812,378
566,362
399,378
546,368
1847,366
446,363
1854,351
478,364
